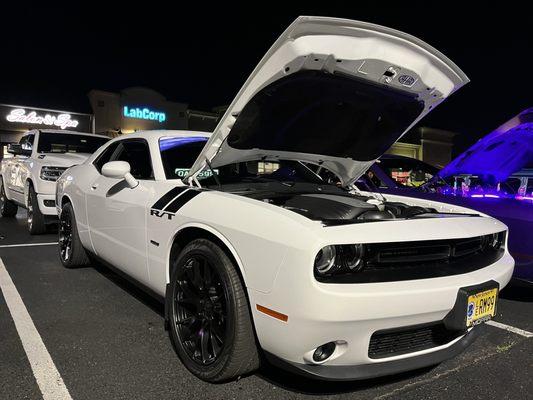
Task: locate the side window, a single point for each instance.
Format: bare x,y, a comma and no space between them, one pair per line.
137,154
26,142
105,156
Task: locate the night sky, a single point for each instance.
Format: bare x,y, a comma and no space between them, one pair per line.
52,56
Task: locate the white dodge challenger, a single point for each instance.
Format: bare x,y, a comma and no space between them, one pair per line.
255,254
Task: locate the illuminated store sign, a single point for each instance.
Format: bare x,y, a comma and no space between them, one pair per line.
62,121
144,113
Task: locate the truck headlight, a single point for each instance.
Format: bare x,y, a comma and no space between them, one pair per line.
51,173
339,259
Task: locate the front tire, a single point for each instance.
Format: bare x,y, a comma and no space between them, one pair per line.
210,323
7,207
71,251
35,219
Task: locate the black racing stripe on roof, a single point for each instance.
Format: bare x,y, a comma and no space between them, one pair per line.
163,201
182,200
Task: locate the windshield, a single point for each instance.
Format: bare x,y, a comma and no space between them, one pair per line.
265,171
407,172
68,143
178,155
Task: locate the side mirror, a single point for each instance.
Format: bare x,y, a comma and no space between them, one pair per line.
119,170
17,150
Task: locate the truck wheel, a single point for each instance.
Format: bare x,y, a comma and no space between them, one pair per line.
35,218
7,207
210,325
71,251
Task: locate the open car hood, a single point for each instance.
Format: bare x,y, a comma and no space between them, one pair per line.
332,92
506,150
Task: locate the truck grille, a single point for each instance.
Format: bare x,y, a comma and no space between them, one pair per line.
394,342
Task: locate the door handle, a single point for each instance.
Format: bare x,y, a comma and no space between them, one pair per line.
94,186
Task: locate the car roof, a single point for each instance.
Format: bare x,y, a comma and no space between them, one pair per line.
64,131
164,133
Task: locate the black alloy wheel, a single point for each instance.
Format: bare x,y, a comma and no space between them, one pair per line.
65,237
201,305
71,251
209,320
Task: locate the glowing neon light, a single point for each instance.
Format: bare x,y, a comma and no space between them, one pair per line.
62,120
144,113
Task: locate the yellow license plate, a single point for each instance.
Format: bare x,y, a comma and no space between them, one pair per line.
481,307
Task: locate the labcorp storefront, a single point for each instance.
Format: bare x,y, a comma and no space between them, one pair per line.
16,120
139,108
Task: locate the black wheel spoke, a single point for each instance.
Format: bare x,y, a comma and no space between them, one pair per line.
204,342
215,345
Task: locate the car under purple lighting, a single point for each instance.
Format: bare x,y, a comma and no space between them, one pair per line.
494,176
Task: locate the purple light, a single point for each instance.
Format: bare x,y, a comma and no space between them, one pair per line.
524,198
499,154
494,196
166,143
476,195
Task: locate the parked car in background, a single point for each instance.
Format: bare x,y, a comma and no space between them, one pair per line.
254,252
28,178
494,176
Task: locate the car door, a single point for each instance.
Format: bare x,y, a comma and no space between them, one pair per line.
18,171
116,213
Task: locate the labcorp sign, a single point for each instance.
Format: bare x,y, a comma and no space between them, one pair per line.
144,113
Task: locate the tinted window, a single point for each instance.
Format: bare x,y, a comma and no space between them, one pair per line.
105,156
137,154
68,143
179,153
27,142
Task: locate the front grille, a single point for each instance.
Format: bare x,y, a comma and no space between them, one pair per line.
382,254
401,261
394,342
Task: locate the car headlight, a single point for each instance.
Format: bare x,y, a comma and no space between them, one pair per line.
339,259
51,173
325,259
496,241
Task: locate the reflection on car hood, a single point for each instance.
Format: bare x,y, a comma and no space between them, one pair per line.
501,153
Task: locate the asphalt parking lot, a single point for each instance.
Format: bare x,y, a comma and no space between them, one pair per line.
107,341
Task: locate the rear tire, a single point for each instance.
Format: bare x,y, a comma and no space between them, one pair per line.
71,251
210,325
35,219
7,207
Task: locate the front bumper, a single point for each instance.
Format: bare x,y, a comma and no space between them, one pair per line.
47,204
368,371
349,314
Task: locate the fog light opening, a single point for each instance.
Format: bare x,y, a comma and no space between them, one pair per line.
322,353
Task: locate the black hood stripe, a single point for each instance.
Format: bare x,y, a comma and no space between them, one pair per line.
171,194
181,200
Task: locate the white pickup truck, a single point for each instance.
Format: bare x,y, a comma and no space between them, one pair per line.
28,179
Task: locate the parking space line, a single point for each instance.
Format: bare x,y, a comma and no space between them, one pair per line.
509,328
27,244
46,374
